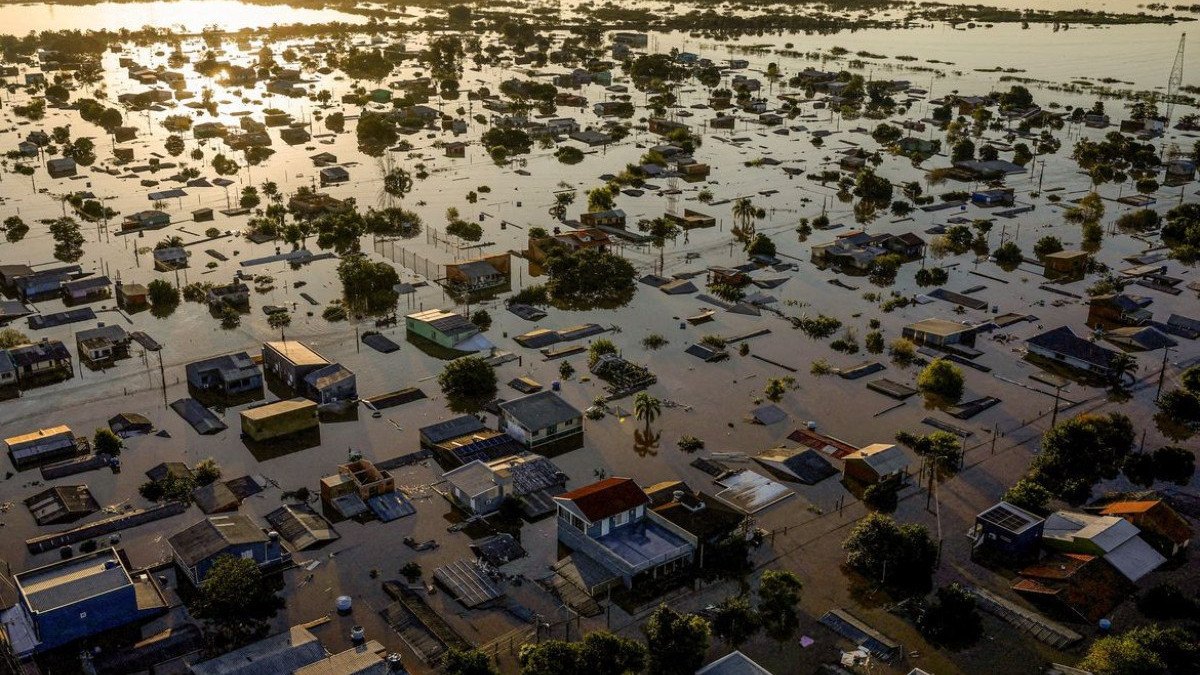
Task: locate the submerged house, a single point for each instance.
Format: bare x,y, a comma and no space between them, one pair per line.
1007,531
78,598
479,274
611,523
41,360
103,343
42,446
480,487
1113,538
1117,309
1062,346
876,463
446,329
1161,526
196,549
87,289
544,422
227,374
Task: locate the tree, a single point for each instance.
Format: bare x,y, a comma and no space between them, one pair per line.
458,661
589,278
1028,495
1078,452
11,337
602,653
1145,650
1047,245
952,619
1008,256
552,657
760,245
892,554
599,348
744,214
68,240
661,230
676,644
1174,464
105,442
163,296
15,229
735,621
778,595
962,151
941,379
1120,366
368,286
469,383
646,408
234,602
882,496
481,319
174,145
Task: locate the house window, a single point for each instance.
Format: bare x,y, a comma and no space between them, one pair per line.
248,555
620,519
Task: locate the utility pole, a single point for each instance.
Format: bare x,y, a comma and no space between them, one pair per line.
1057,390
1162,373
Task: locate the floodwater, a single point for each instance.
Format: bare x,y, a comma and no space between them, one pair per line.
710,401
188,16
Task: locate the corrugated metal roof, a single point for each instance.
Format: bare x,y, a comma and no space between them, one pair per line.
1134,558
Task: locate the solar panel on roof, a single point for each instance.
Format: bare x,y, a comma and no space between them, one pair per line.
1005,518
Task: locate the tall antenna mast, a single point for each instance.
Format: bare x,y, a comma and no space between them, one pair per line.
1176,80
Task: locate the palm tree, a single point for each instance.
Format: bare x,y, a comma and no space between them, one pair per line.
173,241
744,214
1118,367
646,408
661,231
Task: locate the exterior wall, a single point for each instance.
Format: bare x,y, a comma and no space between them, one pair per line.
264,553
425,330
342,391
281,424
1004,542
563,437
858,470
1068,360
211,379
85,618
291,374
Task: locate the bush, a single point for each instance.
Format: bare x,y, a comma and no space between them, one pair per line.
206,471
105,442
599,348
482,319
882,496
941,379
690,444
903,352
952,619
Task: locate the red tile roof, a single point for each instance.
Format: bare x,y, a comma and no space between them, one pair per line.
606,498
